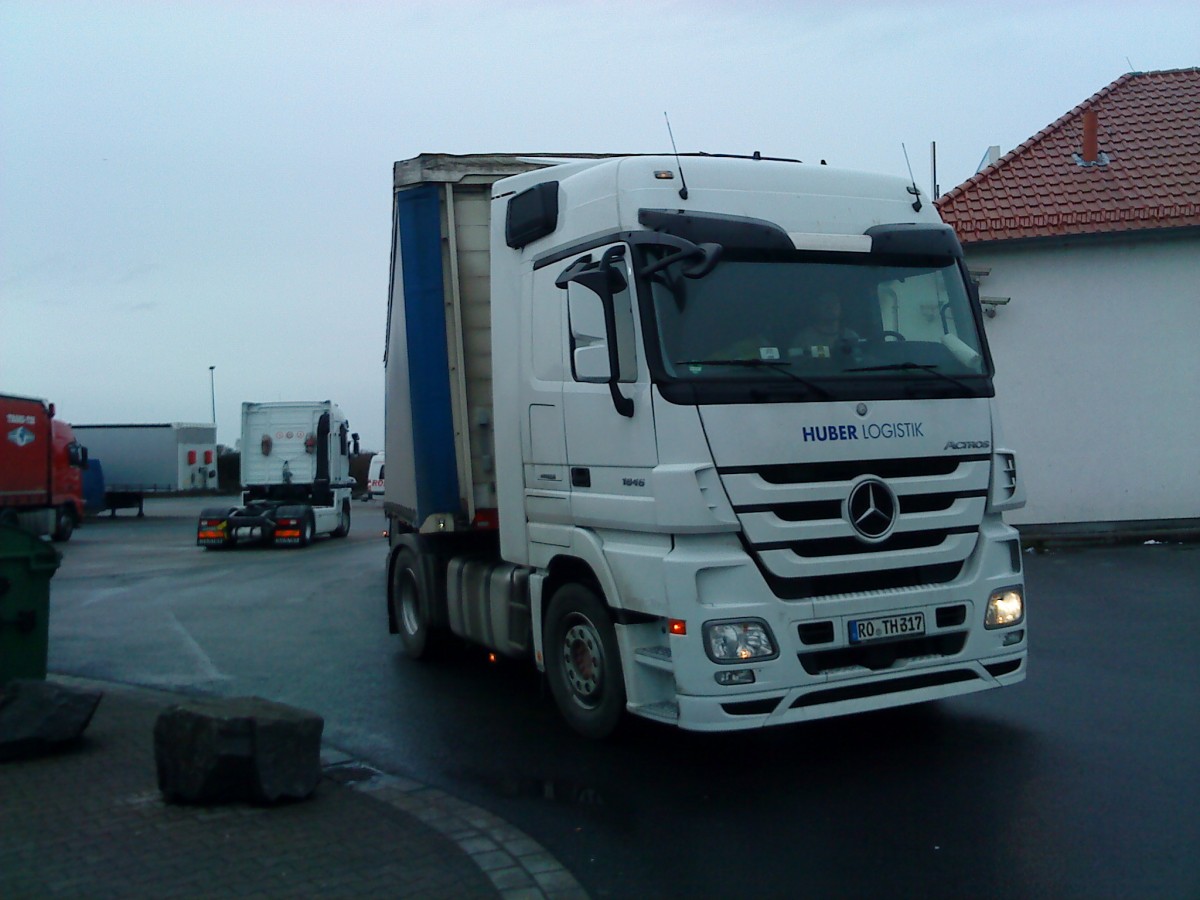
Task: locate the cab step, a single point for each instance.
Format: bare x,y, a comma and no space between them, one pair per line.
655,658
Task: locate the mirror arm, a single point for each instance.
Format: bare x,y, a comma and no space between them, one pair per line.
622,404
675,257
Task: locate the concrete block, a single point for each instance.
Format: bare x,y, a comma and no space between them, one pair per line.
223,750
39,717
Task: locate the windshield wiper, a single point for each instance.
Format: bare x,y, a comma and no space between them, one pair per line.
908,366
778,365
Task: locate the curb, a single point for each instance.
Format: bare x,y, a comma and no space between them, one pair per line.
518,867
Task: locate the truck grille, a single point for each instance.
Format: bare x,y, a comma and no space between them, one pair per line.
795,527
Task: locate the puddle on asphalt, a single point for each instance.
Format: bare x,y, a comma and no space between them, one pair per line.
560,792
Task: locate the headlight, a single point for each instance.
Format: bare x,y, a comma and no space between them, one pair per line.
738,641
1006,607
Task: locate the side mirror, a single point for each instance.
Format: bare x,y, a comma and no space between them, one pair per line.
590,287
585,309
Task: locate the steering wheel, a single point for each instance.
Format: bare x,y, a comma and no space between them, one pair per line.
893,334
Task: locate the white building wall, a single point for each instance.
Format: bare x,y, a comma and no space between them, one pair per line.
1098,375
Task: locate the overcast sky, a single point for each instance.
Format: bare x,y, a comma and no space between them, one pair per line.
195,184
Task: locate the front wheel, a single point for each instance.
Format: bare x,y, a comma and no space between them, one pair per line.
583,663
64,523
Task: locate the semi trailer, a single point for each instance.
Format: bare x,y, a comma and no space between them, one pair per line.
710,440
152,458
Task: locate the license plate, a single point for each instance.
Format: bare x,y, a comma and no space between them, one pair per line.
886,628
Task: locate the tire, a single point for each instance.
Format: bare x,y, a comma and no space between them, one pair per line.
308,529
583,662
64,523
408,598
343,528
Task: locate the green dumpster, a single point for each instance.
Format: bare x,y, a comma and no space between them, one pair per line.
27,564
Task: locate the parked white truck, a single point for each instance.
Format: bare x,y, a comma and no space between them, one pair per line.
712,440
296,481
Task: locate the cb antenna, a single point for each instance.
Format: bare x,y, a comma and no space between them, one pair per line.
912,190
683,192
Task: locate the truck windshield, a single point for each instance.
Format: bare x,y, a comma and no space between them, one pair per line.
845,325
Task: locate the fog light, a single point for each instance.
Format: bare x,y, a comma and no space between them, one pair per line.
1004,608
1014,637
738,640
735,676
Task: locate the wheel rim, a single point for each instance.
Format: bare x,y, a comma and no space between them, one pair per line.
583,661
409,613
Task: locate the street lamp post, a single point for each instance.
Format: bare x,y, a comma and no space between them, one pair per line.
212,388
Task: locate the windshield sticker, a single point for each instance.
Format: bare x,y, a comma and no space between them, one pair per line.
870,432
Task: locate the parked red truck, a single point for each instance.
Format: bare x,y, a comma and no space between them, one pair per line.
41,463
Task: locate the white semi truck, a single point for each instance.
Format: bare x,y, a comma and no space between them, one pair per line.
711,440
296,481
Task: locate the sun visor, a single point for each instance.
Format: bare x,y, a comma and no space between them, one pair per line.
831,243
716,228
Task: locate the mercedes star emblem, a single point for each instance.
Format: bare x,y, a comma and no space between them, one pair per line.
871,510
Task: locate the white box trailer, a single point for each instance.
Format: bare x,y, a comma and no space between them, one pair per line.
711,440
296,481
141,459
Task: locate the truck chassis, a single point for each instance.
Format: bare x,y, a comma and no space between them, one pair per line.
275,522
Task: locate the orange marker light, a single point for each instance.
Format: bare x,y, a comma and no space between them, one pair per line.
676,626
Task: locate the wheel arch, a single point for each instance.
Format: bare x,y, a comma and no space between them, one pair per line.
583,562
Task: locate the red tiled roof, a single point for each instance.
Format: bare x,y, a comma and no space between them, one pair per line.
1148,126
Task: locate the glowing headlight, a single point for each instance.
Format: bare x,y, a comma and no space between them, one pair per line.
738,641
1006,607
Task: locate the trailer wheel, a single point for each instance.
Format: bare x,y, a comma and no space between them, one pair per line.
583,662
343,528
410,605
64,523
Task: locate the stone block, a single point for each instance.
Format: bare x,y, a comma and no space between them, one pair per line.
223,750
39,717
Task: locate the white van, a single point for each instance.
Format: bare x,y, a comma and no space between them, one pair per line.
375,476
